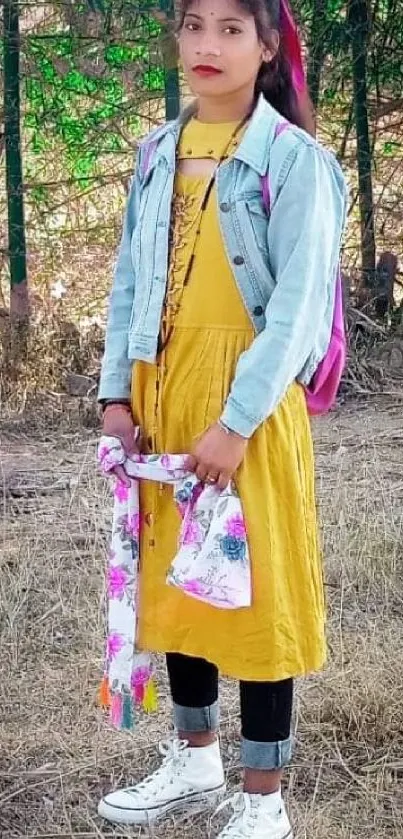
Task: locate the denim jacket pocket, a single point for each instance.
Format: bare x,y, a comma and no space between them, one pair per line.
259,222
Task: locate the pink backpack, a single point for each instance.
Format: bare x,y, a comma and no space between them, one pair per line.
322,390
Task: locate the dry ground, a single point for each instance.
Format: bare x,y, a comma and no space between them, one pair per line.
57,755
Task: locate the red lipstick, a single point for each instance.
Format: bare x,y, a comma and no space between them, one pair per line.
206,70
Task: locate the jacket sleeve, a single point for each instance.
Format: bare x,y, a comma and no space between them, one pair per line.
116,367
304,235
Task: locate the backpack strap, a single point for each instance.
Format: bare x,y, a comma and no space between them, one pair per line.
280,128
266,192
148,154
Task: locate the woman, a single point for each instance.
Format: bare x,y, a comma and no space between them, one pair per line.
219,313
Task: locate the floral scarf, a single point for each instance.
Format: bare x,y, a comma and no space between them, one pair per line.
212,565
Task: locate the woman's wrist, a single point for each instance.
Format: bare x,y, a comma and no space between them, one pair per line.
229,431
109,403
106,407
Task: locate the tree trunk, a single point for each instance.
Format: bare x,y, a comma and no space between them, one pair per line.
358,18
170,56
316,50
19,307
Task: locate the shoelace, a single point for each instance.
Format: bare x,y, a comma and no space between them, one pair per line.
243,821
171,751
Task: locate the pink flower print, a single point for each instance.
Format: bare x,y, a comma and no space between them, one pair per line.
141,676
192,534
197,491
235,526
117,580
182,509
103,452
194,587
121,491
134,525
165,461
114,645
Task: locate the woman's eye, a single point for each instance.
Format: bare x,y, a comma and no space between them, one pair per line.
233,30
192,27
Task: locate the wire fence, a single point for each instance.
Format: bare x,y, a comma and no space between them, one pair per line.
95,76
92,81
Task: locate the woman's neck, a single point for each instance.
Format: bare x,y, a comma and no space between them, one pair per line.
229,109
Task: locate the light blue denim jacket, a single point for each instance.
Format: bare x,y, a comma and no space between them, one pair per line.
284,265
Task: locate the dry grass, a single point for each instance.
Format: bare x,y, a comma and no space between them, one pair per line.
57,755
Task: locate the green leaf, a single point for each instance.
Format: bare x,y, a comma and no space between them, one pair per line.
391,148
154,79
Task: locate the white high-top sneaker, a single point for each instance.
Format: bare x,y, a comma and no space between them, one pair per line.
256,817
187,776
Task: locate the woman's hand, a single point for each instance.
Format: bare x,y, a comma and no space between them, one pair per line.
217,455
118,422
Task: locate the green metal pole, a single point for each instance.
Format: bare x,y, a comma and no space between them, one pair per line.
172,88
316,50
358,20
14,182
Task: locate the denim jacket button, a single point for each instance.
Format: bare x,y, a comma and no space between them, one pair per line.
258,310
238,260
224,207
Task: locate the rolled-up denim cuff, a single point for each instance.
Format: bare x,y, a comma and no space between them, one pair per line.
197,719
258,755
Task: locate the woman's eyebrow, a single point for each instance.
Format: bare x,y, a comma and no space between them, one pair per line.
220,20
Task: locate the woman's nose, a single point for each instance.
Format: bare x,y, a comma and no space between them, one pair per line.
207,47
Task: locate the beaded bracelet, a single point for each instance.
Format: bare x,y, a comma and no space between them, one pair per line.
224,427
124,406
229,431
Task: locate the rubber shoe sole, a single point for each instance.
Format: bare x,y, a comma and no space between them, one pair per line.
120,815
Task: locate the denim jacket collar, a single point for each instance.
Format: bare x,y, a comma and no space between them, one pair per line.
254,148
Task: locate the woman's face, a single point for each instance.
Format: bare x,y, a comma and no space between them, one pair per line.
219,35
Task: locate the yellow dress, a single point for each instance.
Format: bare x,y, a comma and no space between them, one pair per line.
175,400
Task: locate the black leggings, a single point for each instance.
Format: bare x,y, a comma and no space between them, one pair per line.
266,707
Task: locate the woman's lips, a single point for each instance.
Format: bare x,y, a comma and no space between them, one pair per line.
206,70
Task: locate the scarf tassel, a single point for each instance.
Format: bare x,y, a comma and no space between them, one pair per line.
117,710
121,706
105,699
138,693
145,695
150,700
127,714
